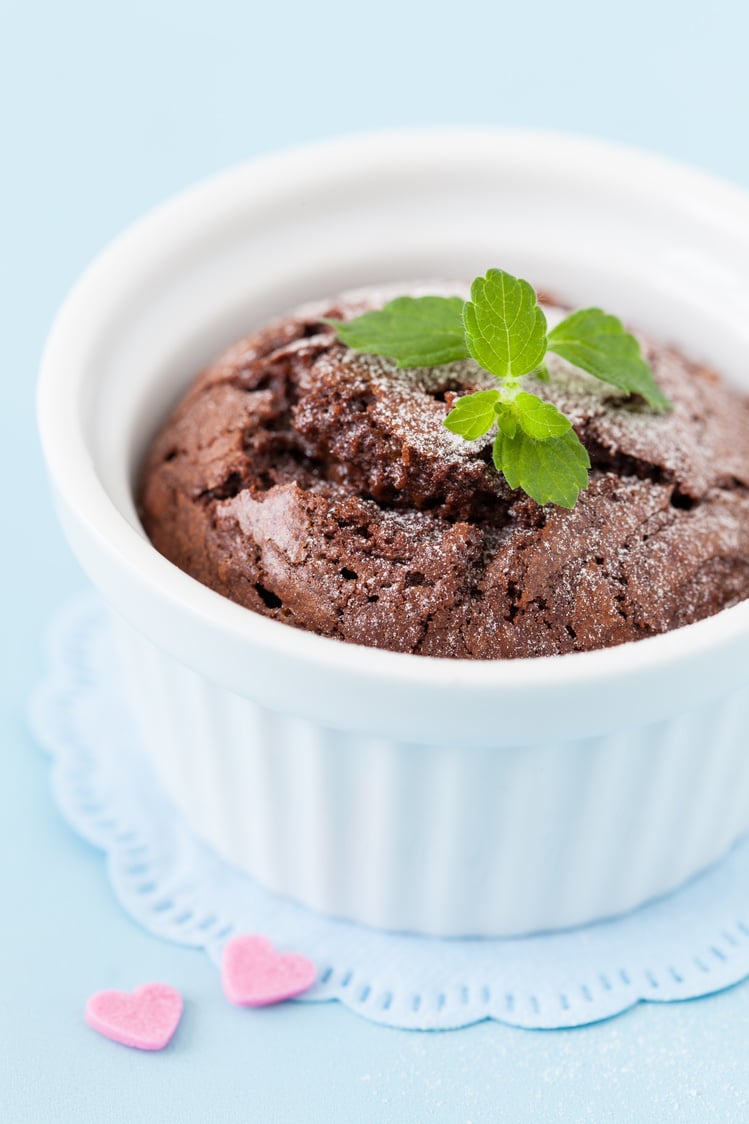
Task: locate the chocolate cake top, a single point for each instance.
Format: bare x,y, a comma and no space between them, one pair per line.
319,487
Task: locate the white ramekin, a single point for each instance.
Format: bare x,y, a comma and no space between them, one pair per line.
448,797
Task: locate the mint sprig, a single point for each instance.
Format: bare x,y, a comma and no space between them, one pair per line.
504,330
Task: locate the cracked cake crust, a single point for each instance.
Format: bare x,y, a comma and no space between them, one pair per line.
320,488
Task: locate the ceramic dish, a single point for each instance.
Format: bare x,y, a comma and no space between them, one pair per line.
446,797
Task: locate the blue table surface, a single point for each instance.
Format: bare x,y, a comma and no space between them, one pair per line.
105,111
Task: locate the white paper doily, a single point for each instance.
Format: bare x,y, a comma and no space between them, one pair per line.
693,943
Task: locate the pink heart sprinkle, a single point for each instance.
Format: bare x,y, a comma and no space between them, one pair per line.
147,1018
253,974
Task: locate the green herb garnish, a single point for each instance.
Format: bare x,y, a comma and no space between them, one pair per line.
503,328
414,332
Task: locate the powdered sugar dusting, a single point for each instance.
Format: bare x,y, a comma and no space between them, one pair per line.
346,507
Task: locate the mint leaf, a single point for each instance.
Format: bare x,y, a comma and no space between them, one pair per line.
412,331
473,415
600,344
504,327
552,471
539,419
507,419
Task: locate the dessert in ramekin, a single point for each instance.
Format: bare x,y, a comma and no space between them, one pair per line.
320,486
446,796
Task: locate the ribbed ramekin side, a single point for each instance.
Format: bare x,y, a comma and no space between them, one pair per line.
444,839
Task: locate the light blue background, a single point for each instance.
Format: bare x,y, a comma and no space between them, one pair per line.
106,110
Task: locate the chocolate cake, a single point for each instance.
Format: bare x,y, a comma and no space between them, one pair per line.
319,487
